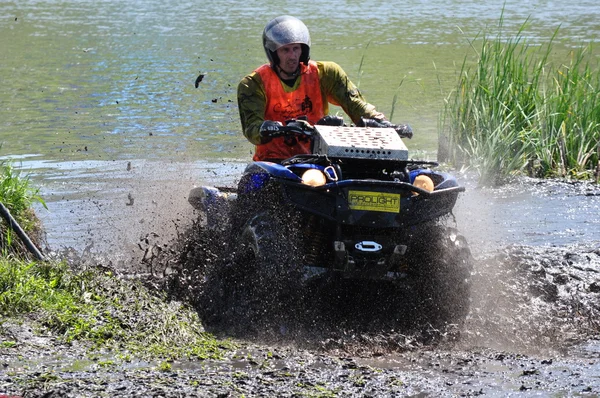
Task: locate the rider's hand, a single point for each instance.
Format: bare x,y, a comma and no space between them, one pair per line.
331,120
299,126
403,130
378,123
269,129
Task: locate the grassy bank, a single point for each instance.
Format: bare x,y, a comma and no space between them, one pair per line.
96,307
519,110
18,196
87,304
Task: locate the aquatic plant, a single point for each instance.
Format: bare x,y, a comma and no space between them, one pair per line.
360,66
514,112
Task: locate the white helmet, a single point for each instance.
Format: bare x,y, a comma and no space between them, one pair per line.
282,31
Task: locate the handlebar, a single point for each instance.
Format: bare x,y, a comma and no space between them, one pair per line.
403,130
270,129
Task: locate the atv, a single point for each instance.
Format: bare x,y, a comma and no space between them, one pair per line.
356,210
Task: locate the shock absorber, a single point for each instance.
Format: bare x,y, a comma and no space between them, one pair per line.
314,239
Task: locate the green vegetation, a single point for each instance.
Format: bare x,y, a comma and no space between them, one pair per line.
97,307
515,112
92,305
17,194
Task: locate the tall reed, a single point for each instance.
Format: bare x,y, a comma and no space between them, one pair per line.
360,66
515,112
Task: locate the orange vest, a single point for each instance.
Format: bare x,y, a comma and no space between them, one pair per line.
306,100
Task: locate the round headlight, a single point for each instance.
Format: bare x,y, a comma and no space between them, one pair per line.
314,178
423,182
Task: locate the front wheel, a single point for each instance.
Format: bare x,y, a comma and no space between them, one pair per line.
267,254
443,264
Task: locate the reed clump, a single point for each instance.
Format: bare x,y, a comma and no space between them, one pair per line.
18,196
515,112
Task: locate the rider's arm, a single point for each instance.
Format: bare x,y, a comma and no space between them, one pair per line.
251,103
337,88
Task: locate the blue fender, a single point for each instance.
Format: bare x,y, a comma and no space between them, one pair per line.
257,174
441,180
273,169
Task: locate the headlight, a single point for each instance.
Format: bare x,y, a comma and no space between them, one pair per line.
314,178
423,182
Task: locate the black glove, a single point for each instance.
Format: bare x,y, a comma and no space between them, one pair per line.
269,129
378,123
299,126
331,120
403,130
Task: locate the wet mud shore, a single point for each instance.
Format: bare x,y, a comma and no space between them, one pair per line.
286,372
532,334
532,330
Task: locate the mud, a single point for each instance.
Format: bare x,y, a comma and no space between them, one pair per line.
287,372
532,330
526,299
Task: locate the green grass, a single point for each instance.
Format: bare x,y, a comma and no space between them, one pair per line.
18,196
516,112
97,307
93,306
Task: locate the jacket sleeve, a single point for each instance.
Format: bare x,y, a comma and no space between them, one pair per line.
251,103
339,90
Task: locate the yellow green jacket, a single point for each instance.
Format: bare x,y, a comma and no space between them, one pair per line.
336,88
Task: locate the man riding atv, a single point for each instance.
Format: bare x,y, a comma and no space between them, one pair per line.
293,89
328,213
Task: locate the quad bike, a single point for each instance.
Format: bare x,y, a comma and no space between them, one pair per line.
355,209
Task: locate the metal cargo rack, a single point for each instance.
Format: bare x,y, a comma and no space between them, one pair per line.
359,143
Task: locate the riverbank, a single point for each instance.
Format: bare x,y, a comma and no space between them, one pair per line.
531,330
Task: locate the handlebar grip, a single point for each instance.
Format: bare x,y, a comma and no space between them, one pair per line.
404,131
299,126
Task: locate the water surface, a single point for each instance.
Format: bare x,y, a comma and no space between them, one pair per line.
89,87
114,79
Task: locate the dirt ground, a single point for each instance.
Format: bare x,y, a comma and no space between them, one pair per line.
532,330
289,372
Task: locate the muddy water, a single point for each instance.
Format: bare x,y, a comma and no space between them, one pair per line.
120,209
529,211
100,204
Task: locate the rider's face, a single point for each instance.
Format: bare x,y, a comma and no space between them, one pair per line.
289,57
